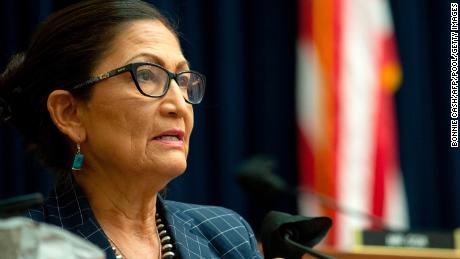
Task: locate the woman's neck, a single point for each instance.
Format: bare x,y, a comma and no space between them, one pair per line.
126,210
128,205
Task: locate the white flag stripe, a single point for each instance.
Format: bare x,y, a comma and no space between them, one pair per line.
357,90
396,216
365,28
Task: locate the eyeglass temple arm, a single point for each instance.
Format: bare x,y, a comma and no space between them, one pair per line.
102,77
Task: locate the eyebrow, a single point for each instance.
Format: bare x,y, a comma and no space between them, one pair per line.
157,60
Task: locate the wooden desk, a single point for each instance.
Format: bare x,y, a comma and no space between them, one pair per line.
390,253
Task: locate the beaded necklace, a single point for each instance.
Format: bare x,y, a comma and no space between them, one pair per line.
166,251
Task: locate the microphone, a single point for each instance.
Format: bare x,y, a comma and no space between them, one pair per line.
257,178
290,237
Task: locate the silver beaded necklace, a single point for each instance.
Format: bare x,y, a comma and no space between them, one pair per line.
166,251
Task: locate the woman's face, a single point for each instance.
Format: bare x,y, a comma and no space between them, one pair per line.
126,131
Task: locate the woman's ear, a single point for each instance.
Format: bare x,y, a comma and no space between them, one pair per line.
65,112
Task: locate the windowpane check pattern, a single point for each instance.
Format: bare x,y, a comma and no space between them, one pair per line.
197,231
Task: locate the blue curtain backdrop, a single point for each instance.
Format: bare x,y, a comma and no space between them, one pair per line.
247,51
431,168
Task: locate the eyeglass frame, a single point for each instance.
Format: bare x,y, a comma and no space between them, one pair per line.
131,68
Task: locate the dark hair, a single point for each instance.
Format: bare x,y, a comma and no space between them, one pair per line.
66,48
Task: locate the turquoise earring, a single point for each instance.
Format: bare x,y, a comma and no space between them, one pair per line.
78,159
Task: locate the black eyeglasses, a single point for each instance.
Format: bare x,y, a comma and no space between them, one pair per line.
153,80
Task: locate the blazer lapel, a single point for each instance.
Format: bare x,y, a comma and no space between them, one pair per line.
188,244
68,207
177,227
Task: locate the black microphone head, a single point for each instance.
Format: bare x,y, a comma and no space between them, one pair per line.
256,177
306,231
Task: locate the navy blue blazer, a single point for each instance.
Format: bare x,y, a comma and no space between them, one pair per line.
198,231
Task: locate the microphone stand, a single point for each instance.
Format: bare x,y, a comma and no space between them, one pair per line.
257,178
291,236
301,249
334,205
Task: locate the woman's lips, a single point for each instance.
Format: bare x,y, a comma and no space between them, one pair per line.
171,137
169,142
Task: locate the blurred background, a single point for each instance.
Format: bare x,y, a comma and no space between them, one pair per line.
349,100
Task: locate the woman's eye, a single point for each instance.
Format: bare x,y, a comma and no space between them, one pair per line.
183,80
145,75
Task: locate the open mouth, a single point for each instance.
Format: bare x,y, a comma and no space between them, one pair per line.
168,138
171,135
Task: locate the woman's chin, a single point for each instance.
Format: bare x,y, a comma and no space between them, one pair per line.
170,168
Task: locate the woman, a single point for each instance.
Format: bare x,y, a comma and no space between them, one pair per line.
105,95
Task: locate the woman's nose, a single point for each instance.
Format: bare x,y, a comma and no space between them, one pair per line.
173,102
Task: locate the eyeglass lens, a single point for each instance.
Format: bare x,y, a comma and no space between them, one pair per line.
153,81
